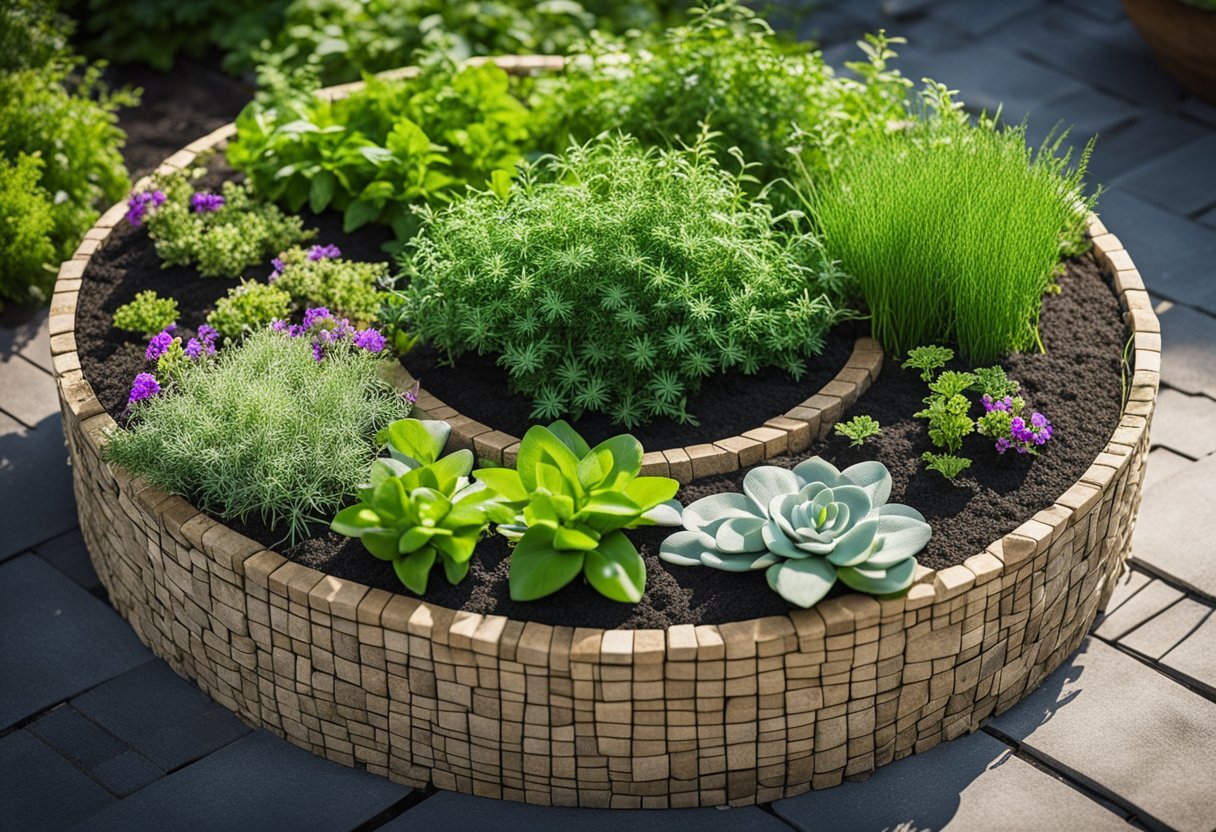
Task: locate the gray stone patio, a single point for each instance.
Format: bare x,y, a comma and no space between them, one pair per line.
96,733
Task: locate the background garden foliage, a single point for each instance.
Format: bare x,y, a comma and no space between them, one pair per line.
264,432
614,278
59,143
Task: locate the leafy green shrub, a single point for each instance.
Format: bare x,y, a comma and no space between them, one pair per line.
26,230
263,432
220,234
727,68
63,115
572,501
953,232
391,144
148,314
249,307
320,277
32,34
615,278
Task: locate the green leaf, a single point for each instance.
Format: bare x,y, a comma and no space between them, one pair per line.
451,468
649,492
418,440
541,445
321,191
616,569
802,582
570,438
626,454
354,520
583,539
382,544
455,570
358,214
537,569
504,482
413,570
500,184
879,581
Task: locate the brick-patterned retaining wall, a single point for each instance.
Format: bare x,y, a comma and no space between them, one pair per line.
744,712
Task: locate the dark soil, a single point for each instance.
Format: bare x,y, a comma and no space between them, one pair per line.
726,405
1076,383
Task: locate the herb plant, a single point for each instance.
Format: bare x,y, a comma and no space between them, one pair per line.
948,410
968,249
60,143
572,501
264,432
221,234
148,313
806,527
948,465
859,429
725,67
614,279
419,508
1003,421
249,307
320,277
385,147
927,359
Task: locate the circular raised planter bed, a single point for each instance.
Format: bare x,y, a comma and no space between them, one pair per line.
705,715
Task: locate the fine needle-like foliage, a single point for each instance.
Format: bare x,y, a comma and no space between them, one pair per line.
264,432
953,231
615,278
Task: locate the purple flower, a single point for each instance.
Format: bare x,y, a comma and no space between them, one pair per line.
194,349
208,334
411,396
318,352
370,340
278,325
145,386
206,203
324,252
138,203
314,315
1038,420
1002,445
159,344
279,268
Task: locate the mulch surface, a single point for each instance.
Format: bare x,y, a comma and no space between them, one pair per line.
1076,383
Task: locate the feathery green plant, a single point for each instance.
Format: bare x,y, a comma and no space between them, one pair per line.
147,314
263,432
953,231
858,429
614,279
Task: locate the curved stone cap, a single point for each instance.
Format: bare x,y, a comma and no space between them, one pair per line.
743,712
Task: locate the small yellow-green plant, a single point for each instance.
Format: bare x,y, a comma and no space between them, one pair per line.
928,359
319,276
859,429
249,307
948,465
147,314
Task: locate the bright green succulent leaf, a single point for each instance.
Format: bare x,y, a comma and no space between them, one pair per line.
616,570
569,437
353,521
626,454
414,570
541,445
649,492
582,538
537,569
504,482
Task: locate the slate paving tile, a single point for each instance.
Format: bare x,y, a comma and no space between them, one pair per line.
1157,636
1104,9
973,782
989,77
24,330
29,390
77,738
258,782
978,19
1151,599
35,484
1118,724
1182,182
1126,586
1184,424
1188,357
39,790
163,716
1198,109
1085,115
68,554
1173,533
1195,656
1209,218
1163,464
450,812
127,773
1120,152
1174,255
56,640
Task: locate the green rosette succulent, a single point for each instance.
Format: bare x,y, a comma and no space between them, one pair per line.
571,502
418,508
806,527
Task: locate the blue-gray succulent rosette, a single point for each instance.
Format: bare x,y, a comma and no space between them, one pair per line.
807,527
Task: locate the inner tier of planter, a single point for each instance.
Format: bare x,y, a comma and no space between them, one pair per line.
691,714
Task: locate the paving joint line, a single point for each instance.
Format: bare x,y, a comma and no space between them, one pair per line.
1157,573
1195,686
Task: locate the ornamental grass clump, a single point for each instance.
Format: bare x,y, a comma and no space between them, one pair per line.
614,279
263,432
953,232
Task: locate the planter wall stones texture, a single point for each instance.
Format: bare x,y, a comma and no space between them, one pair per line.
736,713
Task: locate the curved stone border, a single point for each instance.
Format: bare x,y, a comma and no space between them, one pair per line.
793,431
744,712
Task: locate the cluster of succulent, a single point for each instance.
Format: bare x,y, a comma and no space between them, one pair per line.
615,278
806,527
565,503
320,276
147,314
220,234
327,331
948,411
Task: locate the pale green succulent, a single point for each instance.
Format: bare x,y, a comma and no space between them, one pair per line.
807,526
